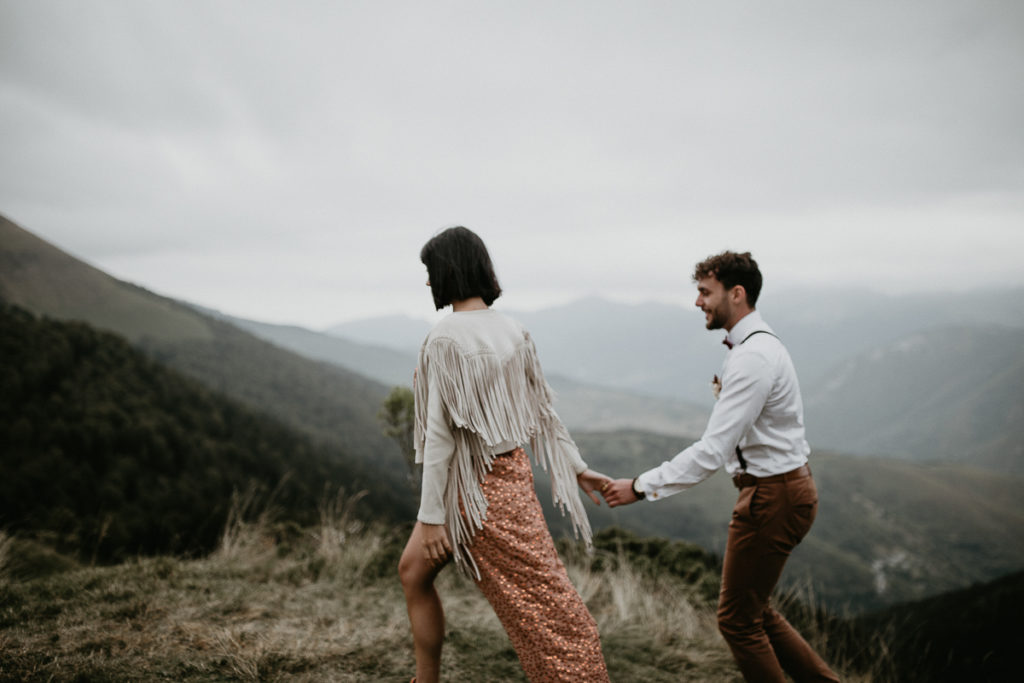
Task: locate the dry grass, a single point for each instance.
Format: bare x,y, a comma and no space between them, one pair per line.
5,552
319,605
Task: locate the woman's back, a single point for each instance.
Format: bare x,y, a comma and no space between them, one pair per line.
480,331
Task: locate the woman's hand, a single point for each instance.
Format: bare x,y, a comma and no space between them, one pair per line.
591,481
436,546
619,492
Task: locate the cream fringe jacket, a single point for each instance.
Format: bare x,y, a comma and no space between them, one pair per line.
480,391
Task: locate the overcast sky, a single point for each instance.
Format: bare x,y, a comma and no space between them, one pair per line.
286,161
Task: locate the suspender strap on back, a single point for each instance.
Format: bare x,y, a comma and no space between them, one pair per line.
739,452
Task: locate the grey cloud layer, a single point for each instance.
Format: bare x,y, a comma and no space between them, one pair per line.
172,127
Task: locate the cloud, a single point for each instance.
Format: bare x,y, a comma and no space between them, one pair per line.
600,145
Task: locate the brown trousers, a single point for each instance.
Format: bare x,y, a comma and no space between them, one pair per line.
767,523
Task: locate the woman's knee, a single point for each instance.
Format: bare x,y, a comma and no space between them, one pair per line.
414,572
406,571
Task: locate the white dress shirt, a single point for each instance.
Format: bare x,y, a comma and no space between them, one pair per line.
759,409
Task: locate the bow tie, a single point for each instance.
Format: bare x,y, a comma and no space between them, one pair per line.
728,343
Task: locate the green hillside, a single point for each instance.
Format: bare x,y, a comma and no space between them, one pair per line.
40,277
326,402
107,453
886,531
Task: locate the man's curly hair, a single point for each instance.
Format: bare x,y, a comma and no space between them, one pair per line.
732,269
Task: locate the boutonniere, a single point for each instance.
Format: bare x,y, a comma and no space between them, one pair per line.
716,386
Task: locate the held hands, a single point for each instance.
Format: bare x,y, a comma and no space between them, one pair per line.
591,481
615,491
619,492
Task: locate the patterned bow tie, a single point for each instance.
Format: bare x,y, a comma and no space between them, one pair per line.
728,343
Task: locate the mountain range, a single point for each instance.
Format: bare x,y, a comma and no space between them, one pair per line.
581,405
887,531
924,377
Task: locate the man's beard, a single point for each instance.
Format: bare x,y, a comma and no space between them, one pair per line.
719,316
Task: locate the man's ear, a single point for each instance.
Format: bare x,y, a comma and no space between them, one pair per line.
738,294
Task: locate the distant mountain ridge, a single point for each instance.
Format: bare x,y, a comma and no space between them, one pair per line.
580,405
948,393
664,350
398,332
957,397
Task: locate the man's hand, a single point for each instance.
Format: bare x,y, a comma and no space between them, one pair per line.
436,546
619,492
590,481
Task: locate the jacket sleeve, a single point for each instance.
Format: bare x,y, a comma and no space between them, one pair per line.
438,445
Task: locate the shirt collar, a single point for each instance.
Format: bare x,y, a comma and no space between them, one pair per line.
749,323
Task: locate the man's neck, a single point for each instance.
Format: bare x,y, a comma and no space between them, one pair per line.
728,328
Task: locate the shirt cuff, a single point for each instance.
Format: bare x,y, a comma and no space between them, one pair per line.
428,518
650,493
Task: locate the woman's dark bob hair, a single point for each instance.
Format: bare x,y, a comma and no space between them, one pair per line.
459,267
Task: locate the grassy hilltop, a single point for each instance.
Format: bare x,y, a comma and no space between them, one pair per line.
276,602
324,604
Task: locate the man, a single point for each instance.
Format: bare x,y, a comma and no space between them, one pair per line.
756,432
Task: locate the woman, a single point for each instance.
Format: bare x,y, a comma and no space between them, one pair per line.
480,394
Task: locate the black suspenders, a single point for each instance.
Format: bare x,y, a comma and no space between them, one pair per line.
739,452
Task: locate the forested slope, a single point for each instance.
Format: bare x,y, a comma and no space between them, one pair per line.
107,452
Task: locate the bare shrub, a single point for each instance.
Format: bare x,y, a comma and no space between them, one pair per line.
337,523
247,531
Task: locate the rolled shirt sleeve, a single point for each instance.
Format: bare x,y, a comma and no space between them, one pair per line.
746,383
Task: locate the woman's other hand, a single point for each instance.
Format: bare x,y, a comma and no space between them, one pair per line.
436,546
591,481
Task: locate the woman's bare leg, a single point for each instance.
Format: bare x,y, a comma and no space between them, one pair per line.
426,616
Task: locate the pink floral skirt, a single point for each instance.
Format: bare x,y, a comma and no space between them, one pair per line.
523,578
